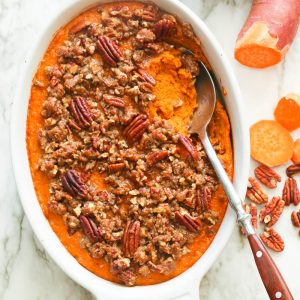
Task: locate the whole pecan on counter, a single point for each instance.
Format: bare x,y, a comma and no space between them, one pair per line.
189,146
290,192
131,238
90,229
164,28
252,210
292,170
114,101
155,157
255,192
109,50
81,113
73,184
295,217
136,128
192,224
267,176
272,239
271,212
203,199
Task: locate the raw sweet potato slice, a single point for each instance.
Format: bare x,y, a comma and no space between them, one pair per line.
287,112
296,152
271,144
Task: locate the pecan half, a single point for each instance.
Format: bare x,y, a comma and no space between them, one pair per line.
267,176
90,229
252,210
255,193
292,170
189,146
145,76
192,224
80,111
131,238
114,101
148,15
272,239
295,217
155,157
73,184
271,212
136,128
164,28
109,50
116,167
203,199
290,192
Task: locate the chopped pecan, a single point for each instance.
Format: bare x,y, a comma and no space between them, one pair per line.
290,192
271,212
109,50
187,143
136,128
255,193
155,157
267,176
295,217
116,167
114,101
164,28
272,239
81,112
203,199
145,76
131,238
192,224
90,229
73,184
293,169
252,210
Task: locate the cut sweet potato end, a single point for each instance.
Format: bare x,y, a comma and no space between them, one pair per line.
287,112
271,144
257,56
296,152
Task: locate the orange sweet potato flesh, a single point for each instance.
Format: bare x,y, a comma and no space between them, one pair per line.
271,144
296,152
287,112
267,33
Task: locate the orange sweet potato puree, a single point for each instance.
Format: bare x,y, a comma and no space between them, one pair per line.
173,86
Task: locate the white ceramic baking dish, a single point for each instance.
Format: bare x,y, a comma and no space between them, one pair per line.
186,285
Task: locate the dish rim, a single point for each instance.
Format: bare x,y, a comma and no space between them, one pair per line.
187,282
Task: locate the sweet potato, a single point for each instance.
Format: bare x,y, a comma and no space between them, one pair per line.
287,112
296,152
271,144
267,33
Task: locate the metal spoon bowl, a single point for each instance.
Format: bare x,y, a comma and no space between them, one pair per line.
206,100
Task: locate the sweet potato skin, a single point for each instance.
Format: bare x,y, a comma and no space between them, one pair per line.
268,32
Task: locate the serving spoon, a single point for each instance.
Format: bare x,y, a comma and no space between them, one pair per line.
206,100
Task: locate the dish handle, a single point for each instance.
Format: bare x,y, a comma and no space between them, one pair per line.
193,294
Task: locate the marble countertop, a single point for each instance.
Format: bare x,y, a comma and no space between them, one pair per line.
27,272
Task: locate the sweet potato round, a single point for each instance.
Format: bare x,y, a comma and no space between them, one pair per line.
271,144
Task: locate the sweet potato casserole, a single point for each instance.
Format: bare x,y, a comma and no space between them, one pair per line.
128,192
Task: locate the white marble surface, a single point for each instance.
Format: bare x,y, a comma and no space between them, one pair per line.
26,271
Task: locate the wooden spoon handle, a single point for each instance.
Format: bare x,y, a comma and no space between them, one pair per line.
269,273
